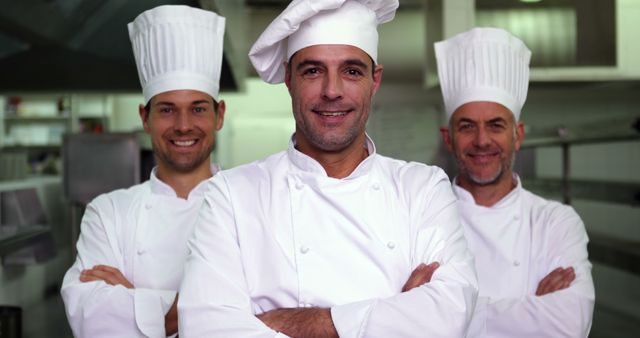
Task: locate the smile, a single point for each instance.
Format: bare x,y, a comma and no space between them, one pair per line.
331,113
186,143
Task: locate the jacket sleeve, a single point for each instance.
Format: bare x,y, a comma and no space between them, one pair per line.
564,313
440,308
214,299
96,309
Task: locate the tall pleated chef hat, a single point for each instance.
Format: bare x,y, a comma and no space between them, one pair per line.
306,23
178,48
483,64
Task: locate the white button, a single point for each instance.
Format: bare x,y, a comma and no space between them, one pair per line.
140,251
299,186
516,263
391,245
304,249
516,217
148,206
376,186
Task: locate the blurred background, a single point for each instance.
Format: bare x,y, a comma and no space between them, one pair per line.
69,93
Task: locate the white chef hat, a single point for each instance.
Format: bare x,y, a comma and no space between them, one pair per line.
306,23
178,47
483,64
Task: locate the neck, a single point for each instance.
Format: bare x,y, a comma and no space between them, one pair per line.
182,183
488,195
337,164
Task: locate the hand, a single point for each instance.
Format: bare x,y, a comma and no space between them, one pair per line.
300,322
171,319
421,275
557,279
108,274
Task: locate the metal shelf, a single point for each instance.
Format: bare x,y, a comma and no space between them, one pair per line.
614,252
603,131
612,192
38,119
13,238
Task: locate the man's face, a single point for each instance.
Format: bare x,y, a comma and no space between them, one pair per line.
182,125
483,137
331,88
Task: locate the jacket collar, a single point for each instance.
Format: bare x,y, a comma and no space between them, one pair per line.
466,197
308,164
161,188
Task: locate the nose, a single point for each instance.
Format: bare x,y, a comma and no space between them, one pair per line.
482,138
332,86
183,122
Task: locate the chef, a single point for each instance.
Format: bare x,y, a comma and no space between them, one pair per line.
531,253
328,237
133,242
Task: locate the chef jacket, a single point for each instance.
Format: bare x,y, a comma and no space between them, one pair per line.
280,233
516,243
142,231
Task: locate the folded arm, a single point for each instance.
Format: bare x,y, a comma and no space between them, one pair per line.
98,298
562,305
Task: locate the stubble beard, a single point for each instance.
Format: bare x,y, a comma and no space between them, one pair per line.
174,163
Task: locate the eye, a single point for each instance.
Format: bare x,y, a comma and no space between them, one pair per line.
199,109
465,127
354,72
497,126
166,110
311,71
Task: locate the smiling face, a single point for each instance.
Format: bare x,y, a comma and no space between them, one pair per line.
183,126
483,137
331,88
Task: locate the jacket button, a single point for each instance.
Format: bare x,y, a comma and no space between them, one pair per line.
391,245
148,206
376,186
299,186
516,263
304,249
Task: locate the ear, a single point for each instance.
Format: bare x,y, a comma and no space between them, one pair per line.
144,117
377,79
222,107
519,135
446,138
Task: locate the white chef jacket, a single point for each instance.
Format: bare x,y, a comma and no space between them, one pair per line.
517,242
280,233
142,231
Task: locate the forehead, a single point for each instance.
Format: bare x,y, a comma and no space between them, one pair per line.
184,96
330,53
482,111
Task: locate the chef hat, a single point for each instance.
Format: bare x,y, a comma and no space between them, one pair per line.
178,47
483,64
306,23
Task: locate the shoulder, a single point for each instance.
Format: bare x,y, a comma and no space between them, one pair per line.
251,175
411,173
121,198
549,212
416,182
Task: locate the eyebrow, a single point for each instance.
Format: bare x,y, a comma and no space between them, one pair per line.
307,62
356,62
348,62
167,103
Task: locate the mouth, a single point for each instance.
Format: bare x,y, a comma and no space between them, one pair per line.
331,113
184,143
483,157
